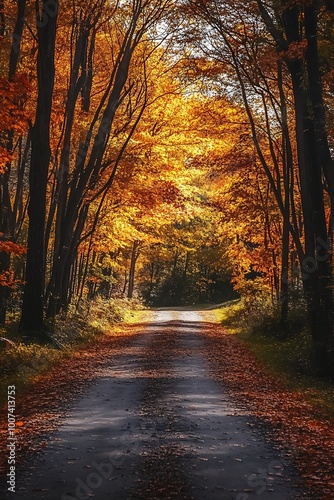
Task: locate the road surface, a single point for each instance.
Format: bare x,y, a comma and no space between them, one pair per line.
155,425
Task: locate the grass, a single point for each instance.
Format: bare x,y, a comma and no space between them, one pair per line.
21,362
289,358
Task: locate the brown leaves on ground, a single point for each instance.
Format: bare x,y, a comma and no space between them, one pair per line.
40,407
291,422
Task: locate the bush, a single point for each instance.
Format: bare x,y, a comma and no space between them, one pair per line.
22,361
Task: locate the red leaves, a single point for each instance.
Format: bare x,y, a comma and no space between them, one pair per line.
290,419
13,97
11,247
5,158
7,277
296,50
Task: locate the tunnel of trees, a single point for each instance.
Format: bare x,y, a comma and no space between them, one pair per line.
180,151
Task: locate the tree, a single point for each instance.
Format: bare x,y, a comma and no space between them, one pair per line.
300,28
238,46
32,318
14,90
124,90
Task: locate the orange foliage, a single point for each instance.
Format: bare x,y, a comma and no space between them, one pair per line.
10,247
296,50
7,279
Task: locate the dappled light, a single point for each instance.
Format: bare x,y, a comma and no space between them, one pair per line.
156,420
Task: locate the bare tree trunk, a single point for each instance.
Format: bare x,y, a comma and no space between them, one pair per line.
16,38
287,175
32,318
134,257
316,270
313,160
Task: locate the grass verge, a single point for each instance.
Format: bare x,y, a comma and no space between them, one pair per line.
287,357
22,362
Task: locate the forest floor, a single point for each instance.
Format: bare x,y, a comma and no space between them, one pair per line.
172,407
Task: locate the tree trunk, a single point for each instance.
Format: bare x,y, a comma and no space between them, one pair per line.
322,149
134,257
32,318
315,267
83,177
16,38
313,160
287,176
325,162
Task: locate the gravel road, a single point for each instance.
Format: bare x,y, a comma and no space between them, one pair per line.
155,425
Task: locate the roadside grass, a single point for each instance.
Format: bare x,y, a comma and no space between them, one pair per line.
22,362
288,357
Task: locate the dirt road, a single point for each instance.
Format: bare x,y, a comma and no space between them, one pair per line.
154,425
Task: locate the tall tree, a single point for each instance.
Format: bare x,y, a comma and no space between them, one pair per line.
293,27
298,45
32,318
132,23
7,211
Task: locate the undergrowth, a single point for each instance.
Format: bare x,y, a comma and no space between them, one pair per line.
22,361
287,354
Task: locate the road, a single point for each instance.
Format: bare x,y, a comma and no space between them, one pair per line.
155,425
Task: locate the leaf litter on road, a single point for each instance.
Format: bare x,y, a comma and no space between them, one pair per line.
289,419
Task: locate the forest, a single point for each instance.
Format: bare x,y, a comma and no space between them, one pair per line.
178,152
